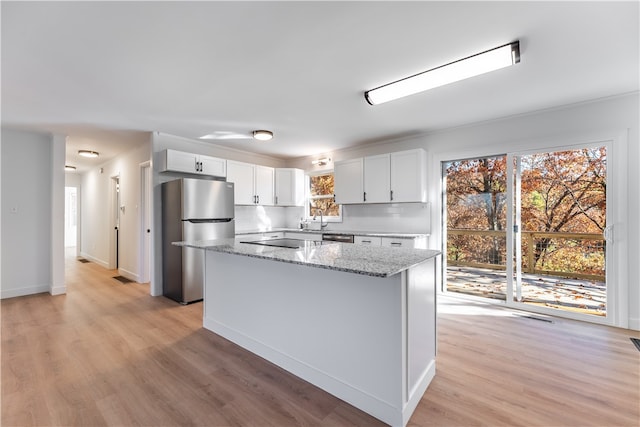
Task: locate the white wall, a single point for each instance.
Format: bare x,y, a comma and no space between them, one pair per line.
97,204
543,129
32,171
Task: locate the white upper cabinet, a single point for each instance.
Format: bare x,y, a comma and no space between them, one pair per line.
264,177
241,174
253,184
387,178
348,181
377,184
409,176
213,166
180,161
289,187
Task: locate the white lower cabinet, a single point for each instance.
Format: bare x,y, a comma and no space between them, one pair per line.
396,243
366,240
303,236
392,242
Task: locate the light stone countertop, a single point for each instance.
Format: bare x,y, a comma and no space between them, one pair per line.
347,257
341,232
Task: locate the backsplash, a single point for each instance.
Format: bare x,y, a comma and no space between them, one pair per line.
260,218
392,218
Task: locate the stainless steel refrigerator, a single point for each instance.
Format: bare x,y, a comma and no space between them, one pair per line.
192,209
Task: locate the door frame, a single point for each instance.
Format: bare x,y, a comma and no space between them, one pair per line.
617,208
113,212
144,222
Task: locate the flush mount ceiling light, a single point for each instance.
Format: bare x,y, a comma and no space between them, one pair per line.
69,168
262,135
494,59
88,153
321,162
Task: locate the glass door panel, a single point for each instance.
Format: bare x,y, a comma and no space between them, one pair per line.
561,210
475,218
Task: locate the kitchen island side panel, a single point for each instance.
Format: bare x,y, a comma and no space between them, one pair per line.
346,333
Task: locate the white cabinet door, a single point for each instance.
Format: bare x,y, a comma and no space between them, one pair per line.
397,243
289,187
409,176
303,236
241,174
178,161
348,178
377,174
264,177
213,166
367,240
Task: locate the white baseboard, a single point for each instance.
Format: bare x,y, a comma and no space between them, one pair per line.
58,290
28,290
634,323
94,259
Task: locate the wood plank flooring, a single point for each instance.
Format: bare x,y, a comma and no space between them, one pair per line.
107,353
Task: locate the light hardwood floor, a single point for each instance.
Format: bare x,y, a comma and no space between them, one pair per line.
109,354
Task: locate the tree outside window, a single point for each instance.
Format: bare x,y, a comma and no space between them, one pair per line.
321,197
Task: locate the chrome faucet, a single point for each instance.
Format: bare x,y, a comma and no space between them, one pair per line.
322,225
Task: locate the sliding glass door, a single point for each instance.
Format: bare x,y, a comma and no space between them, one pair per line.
476,219
528,229
559,214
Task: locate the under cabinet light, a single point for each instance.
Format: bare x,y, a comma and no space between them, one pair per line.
88,153
493,59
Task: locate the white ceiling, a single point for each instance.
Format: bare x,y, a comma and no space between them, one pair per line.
102,72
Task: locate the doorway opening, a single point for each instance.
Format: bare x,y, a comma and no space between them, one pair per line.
528,230
70,217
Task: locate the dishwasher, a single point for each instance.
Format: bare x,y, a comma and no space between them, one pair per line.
342,238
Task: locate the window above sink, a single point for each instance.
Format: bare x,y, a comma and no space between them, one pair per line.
320,198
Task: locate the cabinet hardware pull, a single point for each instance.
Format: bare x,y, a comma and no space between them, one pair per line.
396,244
258,198
392,195
276,200
366,241
364,196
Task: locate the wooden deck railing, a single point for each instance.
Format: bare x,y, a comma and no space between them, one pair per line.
529,238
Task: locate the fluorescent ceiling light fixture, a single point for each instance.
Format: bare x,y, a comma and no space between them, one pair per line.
321,162
225,135
88,153
69,168
262,135
494,59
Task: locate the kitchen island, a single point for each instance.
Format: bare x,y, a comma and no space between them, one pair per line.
358,322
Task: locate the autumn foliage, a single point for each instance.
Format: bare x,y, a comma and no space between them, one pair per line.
561,192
